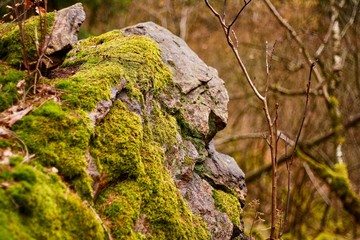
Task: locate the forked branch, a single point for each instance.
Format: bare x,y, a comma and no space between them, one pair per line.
227,29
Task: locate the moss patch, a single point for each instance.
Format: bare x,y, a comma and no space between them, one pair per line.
9,77
59,137
116,147
36,205
11,49
228,204
163,127
154,195
108,59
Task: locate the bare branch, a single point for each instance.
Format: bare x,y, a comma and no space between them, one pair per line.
238,14
351,20
289,164
353,121
224,10
252,176
290,92
241,136
234,49
321,48
316,184
297,39
305,109
236,39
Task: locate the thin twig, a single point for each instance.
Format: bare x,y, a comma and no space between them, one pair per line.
351,20
21,24
99,219
289,164
234,49
300,43
316,184
238,14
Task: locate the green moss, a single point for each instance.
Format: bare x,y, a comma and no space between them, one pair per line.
120,205
154,196
89,86
5,173
11,49
59,137
329,236
4,143
109,59
8,79
116,147
36,205
14,160
228,204
163,127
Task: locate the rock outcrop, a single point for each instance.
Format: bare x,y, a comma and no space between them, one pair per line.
129,131
61,35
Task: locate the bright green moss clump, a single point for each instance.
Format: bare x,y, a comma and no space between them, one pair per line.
89,86
110,60
59,137
153,200
36,205
228,204
117,145
9,77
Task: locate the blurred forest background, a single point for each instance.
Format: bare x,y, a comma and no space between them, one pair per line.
324,201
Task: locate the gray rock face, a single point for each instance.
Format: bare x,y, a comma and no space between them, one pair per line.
222,171
64,33
201,95
199,102
66,27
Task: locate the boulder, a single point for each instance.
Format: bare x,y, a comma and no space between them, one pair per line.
64,34
124,145
200,97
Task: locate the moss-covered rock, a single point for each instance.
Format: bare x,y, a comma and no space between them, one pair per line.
59,137
36,205
126,150
229,204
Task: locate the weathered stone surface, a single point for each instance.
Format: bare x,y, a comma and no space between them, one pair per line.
64,34
203,98
199,102
223,172
65,30
198,193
